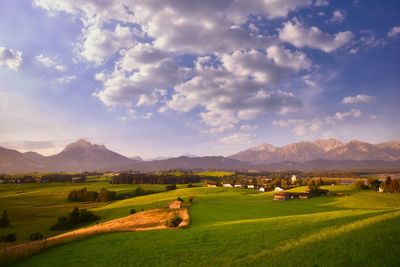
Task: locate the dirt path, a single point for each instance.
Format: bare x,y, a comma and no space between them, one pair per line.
143,221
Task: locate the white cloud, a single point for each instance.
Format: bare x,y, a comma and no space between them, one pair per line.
338,16
231,92
358,99
296,34
10,59
340,116
141,87
238,139
50,63
99,44
66,79
394,32
301,127
321,3
247,127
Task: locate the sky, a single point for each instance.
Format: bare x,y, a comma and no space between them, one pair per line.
164,78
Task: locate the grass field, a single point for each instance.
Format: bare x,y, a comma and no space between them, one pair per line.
35,207
240,227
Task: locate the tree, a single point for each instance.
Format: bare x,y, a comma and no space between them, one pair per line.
8,238
4,220
174,222
133,211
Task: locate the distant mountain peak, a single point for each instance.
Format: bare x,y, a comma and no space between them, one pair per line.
189,155
263,147
84,144
328,144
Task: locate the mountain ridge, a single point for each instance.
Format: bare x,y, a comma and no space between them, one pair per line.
323,153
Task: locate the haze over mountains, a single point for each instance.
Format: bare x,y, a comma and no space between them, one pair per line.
320,154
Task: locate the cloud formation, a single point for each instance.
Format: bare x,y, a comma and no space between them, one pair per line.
50,63
301,127
298,35
394,32
358,99
10,59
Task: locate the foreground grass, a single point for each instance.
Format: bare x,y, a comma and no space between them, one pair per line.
240,227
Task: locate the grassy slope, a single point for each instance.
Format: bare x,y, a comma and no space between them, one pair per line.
35,207
240,227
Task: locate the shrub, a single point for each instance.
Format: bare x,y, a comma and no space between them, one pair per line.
190,199
75,218
174,222
82,195
170,187
4,220
105,195
36,236
133,211
180,199
8,238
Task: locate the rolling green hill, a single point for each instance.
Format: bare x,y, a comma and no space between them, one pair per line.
239,227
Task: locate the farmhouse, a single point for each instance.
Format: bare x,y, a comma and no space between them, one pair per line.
294,178
211,184
250,186
278,189
226,185
261,189
175,205
238,186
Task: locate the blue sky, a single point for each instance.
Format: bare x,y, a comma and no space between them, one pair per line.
164,78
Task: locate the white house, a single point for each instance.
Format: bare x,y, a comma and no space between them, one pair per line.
294,178
250,186
226,185
261,189
278,189
238,185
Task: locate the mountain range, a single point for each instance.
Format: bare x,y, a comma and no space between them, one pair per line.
323,154
329,149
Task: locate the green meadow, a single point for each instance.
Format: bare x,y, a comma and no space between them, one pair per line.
229,227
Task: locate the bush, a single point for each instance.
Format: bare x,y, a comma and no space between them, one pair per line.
75,218
4,220
106,196
82,195
180,199
36,236
133,211
8,238
174,222
190,199
171,187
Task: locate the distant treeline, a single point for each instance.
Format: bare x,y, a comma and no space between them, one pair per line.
310,174
46,178
151,178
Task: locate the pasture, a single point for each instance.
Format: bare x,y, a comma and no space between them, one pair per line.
242,227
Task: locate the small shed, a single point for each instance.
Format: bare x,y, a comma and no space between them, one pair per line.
261,189
227,185
278,189
281,196
250,186
175,205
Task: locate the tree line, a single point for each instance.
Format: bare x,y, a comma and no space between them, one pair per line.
151,178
